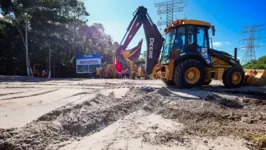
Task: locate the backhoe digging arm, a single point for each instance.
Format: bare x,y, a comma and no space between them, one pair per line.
154,38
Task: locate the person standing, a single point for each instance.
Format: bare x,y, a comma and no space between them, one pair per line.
105,74
122,74
127,74
133,75
179,43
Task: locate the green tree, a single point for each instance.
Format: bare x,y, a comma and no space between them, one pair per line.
12,58
60,24
256,64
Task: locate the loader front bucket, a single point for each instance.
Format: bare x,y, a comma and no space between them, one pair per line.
156,73
255,77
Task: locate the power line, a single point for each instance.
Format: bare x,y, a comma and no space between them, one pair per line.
169,8
249,46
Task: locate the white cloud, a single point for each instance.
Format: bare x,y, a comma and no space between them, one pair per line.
228,43
218,44
1,16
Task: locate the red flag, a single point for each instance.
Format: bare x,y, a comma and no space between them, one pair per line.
118,66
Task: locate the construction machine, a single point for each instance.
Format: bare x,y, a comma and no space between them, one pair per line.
131,56
99,73
140,72
39,71
108,71
255,77
185,58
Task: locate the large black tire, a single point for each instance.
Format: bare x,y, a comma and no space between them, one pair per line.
224,75
180,70
228,77
168,83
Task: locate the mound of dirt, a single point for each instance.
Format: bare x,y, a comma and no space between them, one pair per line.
69,123
164,91
217,117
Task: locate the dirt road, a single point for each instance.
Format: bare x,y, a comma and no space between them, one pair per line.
129,114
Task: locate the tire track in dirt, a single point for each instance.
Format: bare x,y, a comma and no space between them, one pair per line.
20,87
68,123
19,112
11,93
83,93
31,95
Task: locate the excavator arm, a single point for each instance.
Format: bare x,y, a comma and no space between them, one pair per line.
154,38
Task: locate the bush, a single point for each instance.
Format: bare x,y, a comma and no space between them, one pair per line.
256,64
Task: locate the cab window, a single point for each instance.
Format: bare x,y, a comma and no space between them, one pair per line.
191,38
180,39
202,37
169,41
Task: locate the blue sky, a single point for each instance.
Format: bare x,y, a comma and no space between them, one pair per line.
226,15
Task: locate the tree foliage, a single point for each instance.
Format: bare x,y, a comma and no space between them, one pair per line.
256,64
142,59
58,24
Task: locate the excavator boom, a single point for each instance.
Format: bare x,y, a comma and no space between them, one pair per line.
154,38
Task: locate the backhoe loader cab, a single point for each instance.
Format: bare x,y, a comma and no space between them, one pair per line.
188,60
190,38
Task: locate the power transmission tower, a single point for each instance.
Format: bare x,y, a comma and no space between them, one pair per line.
169,8
249,47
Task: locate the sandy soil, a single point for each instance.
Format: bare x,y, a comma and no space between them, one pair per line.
110,114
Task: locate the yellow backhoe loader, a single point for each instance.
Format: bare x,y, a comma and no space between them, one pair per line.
187,58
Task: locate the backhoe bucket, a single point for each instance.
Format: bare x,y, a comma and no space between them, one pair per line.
255,77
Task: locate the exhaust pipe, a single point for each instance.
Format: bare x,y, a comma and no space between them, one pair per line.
235,55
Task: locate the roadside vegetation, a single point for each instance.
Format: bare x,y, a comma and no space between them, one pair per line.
62,25
256,64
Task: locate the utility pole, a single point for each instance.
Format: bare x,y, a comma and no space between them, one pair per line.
249,46
26,44
169,8
49,59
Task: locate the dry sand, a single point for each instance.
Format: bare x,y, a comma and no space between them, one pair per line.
128,114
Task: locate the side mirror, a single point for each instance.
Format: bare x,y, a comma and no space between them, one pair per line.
213,31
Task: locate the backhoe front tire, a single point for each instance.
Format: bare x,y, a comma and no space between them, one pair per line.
234,77
168,83
189,73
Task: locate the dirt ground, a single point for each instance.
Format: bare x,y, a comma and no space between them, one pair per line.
112,114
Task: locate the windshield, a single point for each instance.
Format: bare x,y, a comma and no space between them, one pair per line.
169,41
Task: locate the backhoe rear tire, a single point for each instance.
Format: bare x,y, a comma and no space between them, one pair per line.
234,77
189,73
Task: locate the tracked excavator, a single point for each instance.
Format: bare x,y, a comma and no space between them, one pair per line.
185,58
